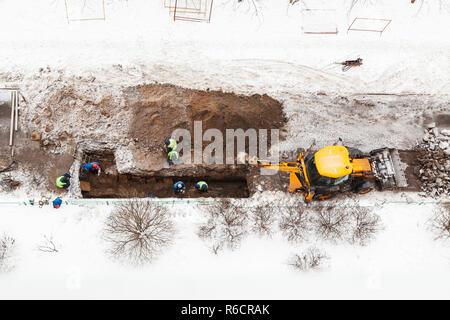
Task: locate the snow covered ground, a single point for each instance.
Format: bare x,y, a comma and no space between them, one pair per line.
238,51
403,262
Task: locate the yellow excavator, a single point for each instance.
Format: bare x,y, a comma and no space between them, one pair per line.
336,169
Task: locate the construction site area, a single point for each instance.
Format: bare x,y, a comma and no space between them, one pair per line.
125,133
224,149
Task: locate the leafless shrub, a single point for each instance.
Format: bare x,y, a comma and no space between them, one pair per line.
252,6
216,247
353,4
295,223
138,230
439,223
7,248
263,219
227,225
364,224
441,5
48,245
331,223
311,259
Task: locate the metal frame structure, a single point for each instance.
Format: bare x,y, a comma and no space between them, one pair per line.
335,31
14,102
196,13
171,5
388,21
86,19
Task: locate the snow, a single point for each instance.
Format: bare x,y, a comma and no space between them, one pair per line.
246,53
403,262
141,37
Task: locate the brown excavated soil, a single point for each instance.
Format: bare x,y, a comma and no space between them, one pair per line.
160,109
139,119
157,110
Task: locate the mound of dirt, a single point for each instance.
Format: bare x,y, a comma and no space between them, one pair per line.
133,121
160,109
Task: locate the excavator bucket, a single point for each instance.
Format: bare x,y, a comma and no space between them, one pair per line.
388,168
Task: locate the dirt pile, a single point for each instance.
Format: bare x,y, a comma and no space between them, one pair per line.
160,109
138,119
133,123
434,162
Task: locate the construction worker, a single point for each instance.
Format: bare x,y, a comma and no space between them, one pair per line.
173,157
171,144
57,203
92,167
179,187
201,186
63,181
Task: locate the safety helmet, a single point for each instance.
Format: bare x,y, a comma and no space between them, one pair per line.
167,141
57,206
180,186
95,165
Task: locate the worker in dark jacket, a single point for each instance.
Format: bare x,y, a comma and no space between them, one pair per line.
179,187
92,167
201,186
63,181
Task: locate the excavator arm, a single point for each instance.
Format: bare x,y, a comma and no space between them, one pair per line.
298,180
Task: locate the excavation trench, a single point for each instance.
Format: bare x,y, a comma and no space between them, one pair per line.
223,181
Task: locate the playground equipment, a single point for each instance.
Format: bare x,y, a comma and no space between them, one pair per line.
190,10
319,21
85,10
369,25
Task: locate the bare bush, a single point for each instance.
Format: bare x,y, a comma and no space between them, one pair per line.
439,223
7,248
441,5
263,219
295,223
311,259
226,226
331,223
365,224
48,245
138,230
252,6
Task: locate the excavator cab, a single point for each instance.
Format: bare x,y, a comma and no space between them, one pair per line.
329,166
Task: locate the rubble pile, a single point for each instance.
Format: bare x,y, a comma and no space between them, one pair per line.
433,167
